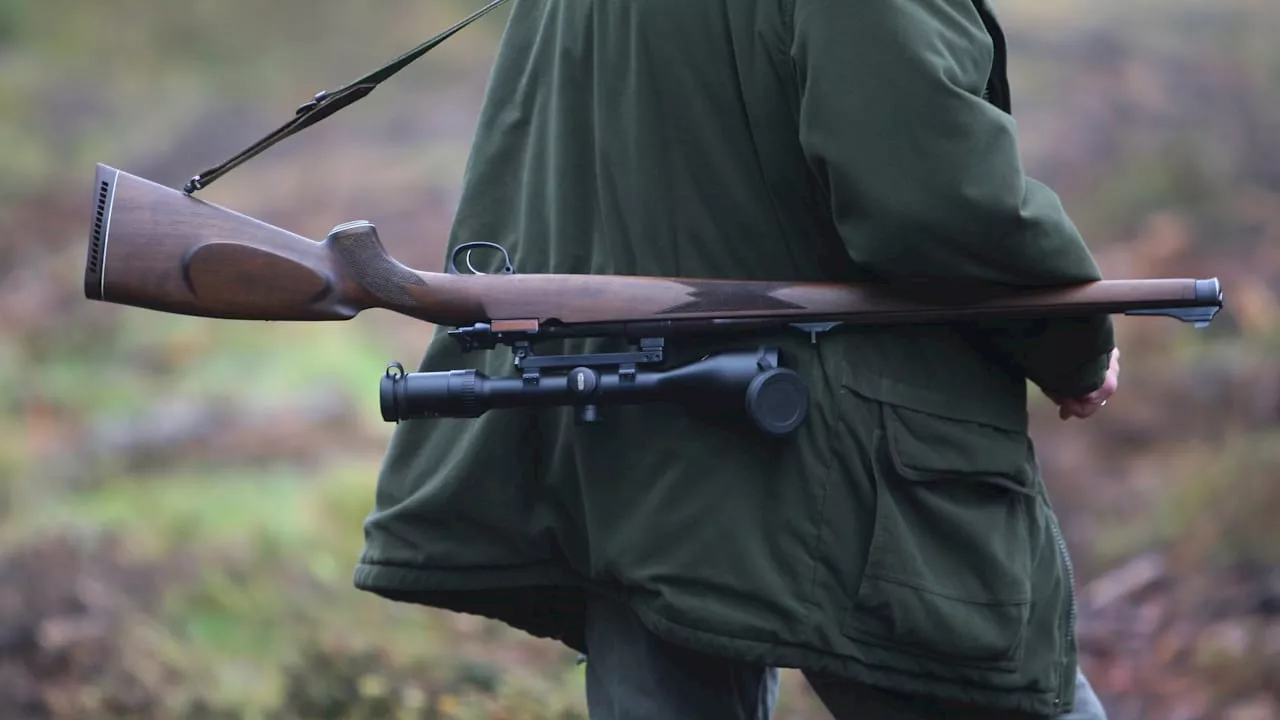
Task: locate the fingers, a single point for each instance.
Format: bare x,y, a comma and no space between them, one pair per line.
1079,408
1083,407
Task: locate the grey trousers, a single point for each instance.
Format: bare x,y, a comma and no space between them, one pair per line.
632,674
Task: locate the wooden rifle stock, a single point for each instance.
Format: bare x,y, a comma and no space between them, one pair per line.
157,248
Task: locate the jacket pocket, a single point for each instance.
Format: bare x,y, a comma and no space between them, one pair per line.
949,564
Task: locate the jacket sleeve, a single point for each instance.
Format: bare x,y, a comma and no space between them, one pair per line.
923,175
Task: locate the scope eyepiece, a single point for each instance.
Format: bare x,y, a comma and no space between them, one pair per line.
453,393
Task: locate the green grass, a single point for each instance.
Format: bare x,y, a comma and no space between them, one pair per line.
1218,506
154,354
265,578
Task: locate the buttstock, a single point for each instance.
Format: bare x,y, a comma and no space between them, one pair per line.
154,247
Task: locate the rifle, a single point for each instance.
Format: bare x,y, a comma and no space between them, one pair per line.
156,248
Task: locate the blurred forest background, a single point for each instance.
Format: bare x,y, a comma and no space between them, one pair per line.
181,499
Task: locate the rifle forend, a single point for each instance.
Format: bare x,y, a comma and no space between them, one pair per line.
157,248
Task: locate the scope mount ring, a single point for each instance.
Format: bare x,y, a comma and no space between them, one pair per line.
468,248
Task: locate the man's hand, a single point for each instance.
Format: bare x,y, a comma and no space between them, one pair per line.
1084,406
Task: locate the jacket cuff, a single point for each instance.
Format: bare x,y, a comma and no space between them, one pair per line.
1081,380
1066,357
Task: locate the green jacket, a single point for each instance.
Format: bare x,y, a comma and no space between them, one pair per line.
903,537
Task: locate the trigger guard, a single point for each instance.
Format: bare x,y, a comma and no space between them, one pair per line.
468,247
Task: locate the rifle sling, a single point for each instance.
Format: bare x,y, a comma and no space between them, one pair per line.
326,103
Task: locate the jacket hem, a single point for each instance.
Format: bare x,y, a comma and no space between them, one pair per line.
546,601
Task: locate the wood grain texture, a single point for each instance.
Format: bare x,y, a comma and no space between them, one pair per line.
167,251
157,248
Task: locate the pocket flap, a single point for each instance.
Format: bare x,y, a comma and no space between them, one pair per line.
927,447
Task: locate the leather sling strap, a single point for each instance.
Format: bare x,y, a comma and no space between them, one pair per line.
326,103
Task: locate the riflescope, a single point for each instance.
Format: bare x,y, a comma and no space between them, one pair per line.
774,398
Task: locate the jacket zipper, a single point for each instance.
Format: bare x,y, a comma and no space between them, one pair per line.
1067,673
